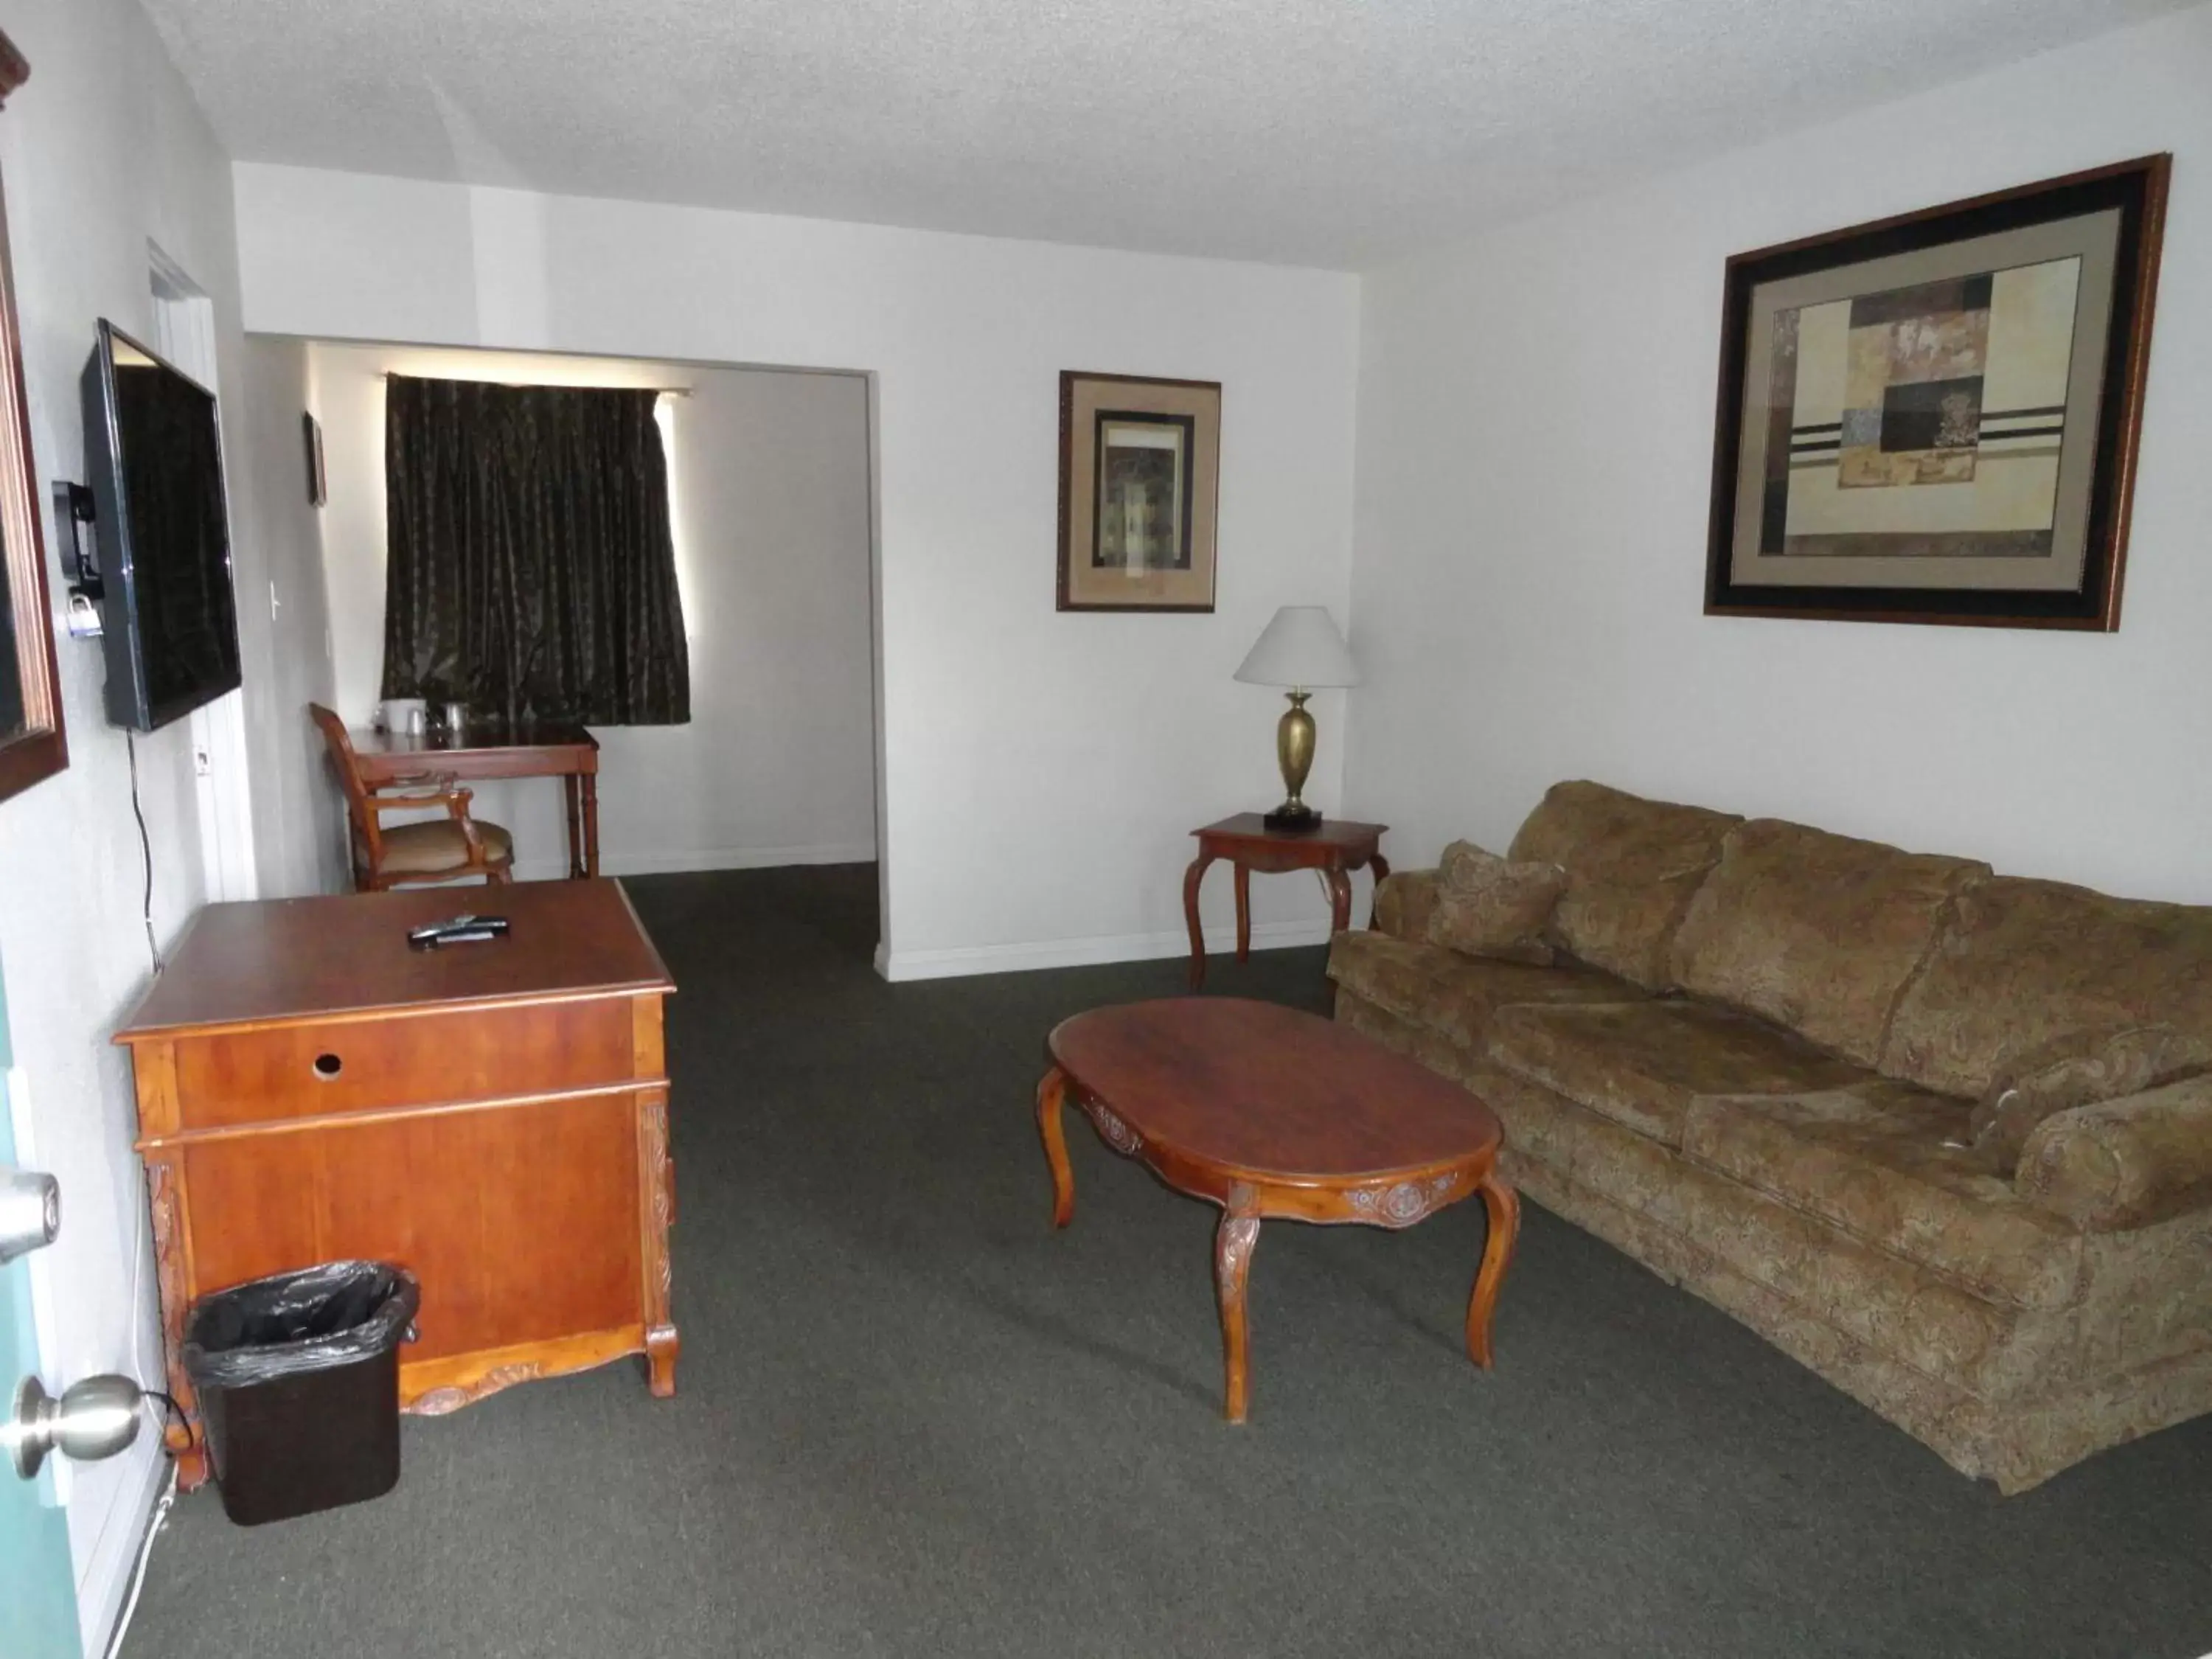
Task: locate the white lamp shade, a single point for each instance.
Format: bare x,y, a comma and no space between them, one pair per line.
1300,648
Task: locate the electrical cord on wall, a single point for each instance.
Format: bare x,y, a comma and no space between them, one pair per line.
145,847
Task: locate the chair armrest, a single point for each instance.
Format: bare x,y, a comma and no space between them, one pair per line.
2124,1162
1403,902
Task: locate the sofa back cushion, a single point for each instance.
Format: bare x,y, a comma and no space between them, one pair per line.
1816,932
1633,865
2029,969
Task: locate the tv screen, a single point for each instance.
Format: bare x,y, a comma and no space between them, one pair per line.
155,453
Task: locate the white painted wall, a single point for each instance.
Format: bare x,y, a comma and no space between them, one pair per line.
770,476
1041,772
101,151
1535,433
299,816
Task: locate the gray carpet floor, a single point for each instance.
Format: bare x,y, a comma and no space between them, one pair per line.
914,1419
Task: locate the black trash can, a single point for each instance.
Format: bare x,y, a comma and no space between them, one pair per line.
298,1380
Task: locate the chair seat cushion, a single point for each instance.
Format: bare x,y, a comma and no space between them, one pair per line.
1454,994
426,850
1879,1160
1641,1064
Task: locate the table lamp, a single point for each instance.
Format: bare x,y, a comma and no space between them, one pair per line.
1301,651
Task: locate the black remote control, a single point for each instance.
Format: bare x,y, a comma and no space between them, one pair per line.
464,929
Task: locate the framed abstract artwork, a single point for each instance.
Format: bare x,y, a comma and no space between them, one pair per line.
1933,418
1140,489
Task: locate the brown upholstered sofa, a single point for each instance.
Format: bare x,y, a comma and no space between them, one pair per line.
1760,1064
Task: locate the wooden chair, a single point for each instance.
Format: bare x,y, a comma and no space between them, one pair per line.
412,854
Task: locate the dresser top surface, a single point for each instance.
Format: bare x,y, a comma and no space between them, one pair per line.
278,961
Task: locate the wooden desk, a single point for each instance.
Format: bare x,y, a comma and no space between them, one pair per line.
1336,849
491,750
493,1117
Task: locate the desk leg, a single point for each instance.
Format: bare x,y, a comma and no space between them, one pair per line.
572,796
1243,913
657,1195
591,792
1191,878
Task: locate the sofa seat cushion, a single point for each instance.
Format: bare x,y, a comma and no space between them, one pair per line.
1633,865
1872,1160
2025,966
1456,995
1642,1064
1816,932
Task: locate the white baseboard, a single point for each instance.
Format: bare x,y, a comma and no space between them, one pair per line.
103,1578
707,858
898,965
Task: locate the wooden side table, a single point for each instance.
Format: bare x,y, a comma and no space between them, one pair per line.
1337,848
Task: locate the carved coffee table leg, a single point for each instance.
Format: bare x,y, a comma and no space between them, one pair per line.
1191,878
1503,1206
1232,1266
1051,1092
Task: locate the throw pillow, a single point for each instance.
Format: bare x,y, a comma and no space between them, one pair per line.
2080,1069
1488,907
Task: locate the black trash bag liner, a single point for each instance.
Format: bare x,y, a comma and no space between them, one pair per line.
289,1324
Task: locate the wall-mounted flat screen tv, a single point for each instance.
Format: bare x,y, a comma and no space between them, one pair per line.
154,450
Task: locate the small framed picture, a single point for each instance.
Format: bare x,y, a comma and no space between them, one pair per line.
1933,418
1140,487
311,430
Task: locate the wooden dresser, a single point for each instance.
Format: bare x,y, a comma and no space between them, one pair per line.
492,1116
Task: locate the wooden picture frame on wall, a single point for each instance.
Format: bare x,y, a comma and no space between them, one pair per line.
1933,418
33,743
1140,492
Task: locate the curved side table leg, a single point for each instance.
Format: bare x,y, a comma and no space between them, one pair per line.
1503,1206
1232,1268
1340,900
1381,868
1191,878
1052,1089
1243,913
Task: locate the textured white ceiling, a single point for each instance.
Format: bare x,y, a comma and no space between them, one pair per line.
1323,133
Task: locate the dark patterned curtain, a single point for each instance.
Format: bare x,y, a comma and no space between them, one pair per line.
529,572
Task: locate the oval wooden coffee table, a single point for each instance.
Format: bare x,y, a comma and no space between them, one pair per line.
1269,1112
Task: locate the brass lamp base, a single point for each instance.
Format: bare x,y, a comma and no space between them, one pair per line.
1294,753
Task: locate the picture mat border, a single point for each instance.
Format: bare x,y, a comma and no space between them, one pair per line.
2092,333
2139,188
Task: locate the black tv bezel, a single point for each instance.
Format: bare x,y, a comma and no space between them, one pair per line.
126,694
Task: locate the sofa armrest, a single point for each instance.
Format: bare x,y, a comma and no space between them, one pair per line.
1402,904
2124,1162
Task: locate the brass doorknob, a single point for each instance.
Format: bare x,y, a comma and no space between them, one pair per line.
93,1419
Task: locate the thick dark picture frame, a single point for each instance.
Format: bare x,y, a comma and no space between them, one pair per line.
2138,190
41,749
